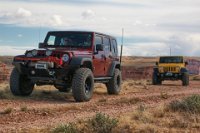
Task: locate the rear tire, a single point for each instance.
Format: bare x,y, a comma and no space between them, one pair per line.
83,85
63,88
20,85
114,85
156,80
185,79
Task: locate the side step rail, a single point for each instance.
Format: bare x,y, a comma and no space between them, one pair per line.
102,79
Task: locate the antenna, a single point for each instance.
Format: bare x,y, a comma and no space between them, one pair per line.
122,46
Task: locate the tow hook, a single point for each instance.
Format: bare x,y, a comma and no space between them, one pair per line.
51,73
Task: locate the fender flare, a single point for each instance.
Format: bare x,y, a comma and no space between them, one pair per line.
184,70
115,64
79,61
155,70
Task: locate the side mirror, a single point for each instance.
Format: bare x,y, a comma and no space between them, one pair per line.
99,47
156,63
186,63
41,45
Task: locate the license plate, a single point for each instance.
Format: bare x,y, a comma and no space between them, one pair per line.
169,74
41,66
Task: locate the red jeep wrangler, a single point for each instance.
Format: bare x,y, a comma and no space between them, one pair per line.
69,60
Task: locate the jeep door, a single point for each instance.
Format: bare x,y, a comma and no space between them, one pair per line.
108,54
98,58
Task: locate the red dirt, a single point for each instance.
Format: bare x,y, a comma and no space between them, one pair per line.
42,113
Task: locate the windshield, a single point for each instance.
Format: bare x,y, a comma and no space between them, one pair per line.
66,39
171,60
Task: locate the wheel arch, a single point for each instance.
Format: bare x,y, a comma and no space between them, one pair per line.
184,70
114,65
82,62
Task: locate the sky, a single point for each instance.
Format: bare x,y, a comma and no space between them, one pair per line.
151,27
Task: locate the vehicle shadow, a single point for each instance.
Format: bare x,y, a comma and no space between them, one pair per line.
49,96
168,84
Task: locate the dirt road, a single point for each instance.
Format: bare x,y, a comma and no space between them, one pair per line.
47,107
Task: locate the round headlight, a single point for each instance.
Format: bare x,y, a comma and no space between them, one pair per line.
161,69
65,57
29,54
177,68
34,52
48,52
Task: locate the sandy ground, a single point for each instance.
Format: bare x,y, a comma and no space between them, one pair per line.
47,107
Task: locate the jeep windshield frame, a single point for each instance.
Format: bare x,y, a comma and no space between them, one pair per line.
69,39
174,59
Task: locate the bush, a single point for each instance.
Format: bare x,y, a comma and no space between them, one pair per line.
190,104
24,108
7,111
65,128
102,123
5,93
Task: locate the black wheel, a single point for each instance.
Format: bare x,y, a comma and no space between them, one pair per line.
114,84
185,79
156,80
83,85
63,88
20,85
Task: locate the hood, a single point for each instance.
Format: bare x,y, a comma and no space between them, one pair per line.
171,65
57,51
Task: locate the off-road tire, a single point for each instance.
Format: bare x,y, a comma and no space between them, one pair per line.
83,85
63,88
185,79
114,84
156,80
20,85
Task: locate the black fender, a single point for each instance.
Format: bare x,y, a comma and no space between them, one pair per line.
155,70
115,64
82,61
184,70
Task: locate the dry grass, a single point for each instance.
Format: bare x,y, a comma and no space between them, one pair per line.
159,119
126,100
189,104
7,111
5,92
196,78
39,93
24,108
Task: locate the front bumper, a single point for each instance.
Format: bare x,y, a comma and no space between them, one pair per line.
170,76
50,75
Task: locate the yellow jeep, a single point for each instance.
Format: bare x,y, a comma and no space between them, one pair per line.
170,68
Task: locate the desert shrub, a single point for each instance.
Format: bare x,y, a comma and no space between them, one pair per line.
6,111
159,112
24,108
5,93
66,128
102,123
133,100
164,95
190,104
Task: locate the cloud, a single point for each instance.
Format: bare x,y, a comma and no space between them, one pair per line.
21,12
88,14
56,20
19,35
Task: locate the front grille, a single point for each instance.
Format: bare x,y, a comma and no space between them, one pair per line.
170,69
41,55
56,55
